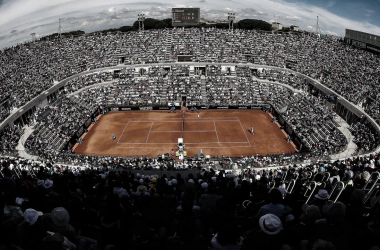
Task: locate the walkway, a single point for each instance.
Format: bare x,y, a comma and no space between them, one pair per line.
28,130
351,147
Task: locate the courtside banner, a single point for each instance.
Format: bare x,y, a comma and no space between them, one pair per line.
146,108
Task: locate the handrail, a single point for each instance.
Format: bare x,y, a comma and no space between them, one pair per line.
375,177
314,184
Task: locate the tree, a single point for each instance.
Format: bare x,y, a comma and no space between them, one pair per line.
250,24
127,28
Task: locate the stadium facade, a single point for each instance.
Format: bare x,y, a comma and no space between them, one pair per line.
362,40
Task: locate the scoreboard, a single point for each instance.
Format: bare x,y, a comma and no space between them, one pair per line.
185,16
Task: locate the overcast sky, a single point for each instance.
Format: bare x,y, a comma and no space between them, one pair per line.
20,18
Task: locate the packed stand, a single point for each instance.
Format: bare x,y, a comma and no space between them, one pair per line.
365,137
57,123
313,123
9,138
321,206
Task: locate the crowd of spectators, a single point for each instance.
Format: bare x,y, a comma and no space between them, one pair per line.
26,70
105,206
314,123
231,91
366,137
47,206
38,65
9,138
338,66
60,120
57,123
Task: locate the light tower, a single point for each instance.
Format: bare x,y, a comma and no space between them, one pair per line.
231,19
317,29
60,28
33,37
141,19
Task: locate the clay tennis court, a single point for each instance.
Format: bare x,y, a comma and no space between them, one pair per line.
216,132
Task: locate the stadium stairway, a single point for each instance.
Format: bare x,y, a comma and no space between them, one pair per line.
163,93
168,52
233,73
28,130
203,89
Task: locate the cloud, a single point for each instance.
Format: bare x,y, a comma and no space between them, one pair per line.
41,16
330,4
253,12
114,13
329,32
288,18
368,13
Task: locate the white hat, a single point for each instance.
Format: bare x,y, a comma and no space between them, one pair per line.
288,218
270,224
60,216
322,194
31,215
213,179
191,181
48,183
174,181
204,185
19,200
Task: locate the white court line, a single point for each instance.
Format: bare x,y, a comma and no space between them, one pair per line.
123,131
212,121
154,118
210,118
147,143
244,133
176,143
145,147
189,147
228,117
216,132
149,132
166,131
213,142
191,121
156,121
223,147
200,118
185,131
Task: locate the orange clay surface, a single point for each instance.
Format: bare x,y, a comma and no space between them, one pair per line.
216,132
